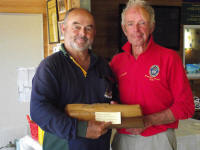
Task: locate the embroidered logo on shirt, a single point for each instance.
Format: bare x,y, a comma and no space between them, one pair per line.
153,73
123,74
108,94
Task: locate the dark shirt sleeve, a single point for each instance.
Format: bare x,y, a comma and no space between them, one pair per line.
44,106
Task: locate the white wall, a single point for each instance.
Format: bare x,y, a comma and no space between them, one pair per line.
21,45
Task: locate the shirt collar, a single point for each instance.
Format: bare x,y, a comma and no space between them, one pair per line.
127,47
93,57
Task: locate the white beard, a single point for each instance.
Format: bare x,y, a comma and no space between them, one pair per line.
75,46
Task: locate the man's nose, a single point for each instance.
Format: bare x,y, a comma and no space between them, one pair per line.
82,31
136,27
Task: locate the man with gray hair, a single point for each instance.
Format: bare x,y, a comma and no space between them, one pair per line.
152,76
72,75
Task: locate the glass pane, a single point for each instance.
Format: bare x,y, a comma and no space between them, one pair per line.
192,50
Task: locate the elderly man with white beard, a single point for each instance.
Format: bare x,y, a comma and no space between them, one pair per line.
72,75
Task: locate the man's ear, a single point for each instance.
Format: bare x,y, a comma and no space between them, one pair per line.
63,28
124,29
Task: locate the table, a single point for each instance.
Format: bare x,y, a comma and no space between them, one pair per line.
188,135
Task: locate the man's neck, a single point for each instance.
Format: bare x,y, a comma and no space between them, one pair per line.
137,51
81,57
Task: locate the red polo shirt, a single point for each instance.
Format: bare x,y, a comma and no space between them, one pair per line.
156,81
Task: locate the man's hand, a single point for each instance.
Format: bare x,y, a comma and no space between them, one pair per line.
164,117
137,131
96,129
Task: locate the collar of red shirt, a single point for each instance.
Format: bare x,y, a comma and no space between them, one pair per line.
128,47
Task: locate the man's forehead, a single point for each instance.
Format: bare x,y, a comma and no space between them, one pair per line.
79,23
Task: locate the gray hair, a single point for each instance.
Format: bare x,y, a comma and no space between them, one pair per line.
143,4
